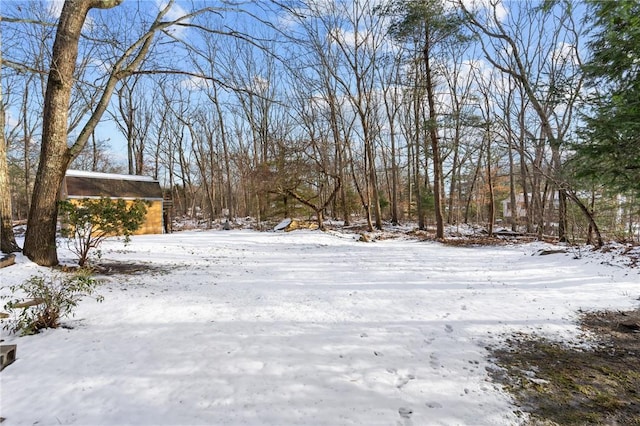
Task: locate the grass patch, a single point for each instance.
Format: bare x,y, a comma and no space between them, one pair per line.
567,385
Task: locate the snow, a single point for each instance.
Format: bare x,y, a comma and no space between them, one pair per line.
299,328
282,225
83,173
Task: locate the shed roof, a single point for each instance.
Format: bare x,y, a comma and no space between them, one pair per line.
80,184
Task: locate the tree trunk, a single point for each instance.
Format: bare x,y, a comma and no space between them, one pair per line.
27,135
435,144
368,188
512,187
514,219
373,182
562,194
394,180
40,238
416,155
454,174
592,203
343,194
7,238
492,210
339,152
476,173
524,176
562,216
417,182
227,157
588,214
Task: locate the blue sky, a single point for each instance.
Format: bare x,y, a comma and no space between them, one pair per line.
228,20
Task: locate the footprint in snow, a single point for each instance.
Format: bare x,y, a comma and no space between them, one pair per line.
405,413
433,361
403,380
448,328
434,404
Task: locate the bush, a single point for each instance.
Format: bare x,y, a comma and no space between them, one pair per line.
47,300
90,221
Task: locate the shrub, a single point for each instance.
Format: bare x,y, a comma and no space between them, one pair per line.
91,221
47,300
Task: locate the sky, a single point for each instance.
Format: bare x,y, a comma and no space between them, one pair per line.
107,130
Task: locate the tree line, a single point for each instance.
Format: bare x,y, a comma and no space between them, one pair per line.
428,111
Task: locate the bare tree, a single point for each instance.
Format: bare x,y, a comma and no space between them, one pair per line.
392,91
487,138
133,119
550,61
431,26
56,154
96,157
310,155
27,45
319,74
7,238
458,127
206,62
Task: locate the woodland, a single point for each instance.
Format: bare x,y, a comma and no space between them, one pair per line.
521,115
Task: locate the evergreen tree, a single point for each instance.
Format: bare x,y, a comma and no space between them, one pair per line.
610,150
428,25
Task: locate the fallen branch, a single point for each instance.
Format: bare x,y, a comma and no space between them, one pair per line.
28,303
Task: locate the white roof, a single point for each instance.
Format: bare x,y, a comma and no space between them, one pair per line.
97,175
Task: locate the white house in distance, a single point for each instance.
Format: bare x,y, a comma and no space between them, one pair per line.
521,211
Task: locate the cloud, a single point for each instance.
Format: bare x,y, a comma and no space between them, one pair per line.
175,12
489,6
259,84
565,53
10,120
54,8
194,83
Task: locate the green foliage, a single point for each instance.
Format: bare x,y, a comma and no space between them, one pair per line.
429,20
54,297
91,221
427,200
384,203
610,151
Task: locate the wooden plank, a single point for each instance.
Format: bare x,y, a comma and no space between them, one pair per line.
7,260
27,303
7,355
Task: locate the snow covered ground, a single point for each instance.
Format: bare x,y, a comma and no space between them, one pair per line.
300,328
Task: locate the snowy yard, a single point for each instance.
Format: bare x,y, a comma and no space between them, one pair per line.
300,328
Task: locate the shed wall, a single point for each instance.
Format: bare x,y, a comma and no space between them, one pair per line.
80,185
153,221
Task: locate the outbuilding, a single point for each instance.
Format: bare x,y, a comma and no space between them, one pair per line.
78,185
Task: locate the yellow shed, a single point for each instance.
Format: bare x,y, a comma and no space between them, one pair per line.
78,185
